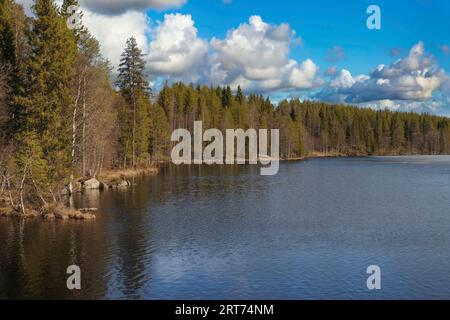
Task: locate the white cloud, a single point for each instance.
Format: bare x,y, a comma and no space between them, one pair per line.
176,50
113,32
256,56
26,5
416,77
343,80
304,76
432,106
114,7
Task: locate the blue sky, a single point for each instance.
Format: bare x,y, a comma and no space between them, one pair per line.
323,24
315,49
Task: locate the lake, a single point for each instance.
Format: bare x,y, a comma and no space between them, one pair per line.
199,232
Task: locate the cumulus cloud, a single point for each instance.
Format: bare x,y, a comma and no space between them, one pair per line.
432,106
176,50
344,80
114,7
113,32
26,5
256,56
446,89
414,78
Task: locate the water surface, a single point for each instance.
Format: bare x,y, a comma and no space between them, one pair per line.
202,232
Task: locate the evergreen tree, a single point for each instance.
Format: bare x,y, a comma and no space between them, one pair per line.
136,91
13,24
160,132
7,47
240,96
44,100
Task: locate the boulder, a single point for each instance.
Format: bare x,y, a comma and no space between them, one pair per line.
123,184
91,184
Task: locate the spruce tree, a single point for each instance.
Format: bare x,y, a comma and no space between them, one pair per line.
7,48
136,92
44,101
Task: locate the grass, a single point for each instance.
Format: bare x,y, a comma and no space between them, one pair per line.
125,174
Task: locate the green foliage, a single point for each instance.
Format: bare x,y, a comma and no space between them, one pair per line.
307,127
43,100
31,162
134,113
57,99
7,47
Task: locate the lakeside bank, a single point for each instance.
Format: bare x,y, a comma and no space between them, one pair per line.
62,210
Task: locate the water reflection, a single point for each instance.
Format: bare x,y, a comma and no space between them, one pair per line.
228,233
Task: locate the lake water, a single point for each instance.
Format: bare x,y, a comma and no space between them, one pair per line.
201,232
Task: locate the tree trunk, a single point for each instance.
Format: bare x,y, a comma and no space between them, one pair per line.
74,133
83,142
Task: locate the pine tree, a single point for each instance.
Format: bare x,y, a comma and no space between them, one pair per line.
227,97
398,133
44,100
7,48
135,90
160,132
240,96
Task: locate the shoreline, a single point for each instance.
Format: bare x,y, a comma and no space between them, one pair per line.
121,178
111,179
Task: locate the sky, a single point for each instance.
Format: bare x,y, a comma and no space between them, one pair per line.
315,49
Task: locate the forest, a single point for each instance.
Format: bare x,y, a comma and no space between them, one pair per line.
66,114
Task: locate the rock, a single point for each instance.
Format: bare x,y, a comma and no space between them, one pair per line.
91,184
123,184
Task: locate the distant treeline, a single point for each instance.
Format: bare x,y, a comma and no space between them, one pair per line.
62,116
305,127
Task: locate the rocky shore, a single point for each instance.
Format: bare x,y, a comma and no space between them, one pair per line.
117,179
50,212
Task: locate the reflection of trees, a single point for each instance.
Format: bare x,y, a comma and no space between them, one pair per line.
36,255
205,209
206,181
131,239
113,252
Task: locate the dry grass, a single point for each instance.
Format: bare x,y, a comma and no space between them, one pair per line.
317,154
124,174
58,211
294,159
49,212
9,212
